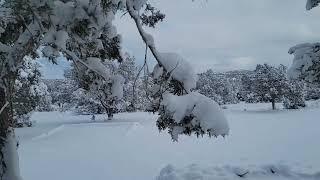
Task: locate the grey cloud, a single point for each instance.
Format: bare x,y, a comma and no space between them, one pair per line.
222,34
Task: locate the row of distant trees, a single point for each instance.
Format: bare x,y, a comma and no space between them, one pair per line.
266,83
84,94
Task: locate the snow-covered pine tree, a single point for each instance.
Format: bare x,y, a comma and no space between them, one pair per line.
306,62
269,83
29,92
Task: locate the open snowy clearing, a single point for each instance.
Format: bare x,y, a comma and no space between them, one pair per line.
268,144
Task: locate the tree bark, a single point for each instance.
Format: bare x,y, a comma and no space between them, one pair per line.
273,104
9,161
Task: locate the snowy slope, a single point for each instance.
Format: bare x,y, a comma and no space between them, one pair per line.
62,146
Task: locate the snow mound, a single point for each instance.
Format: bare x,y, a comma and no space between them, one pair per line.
314,104
204,112
269,172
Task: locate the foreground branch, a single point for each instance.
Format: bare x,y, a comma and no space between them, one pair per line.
147,38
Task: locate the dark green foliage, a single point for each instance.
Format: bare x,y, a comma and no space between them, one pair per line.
151,16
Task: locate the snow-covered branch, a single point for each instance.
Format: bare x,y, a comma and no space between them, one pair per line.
312,3
147,38
4,107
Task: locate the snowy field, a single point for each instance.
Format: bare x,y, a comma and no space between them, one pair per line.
263,144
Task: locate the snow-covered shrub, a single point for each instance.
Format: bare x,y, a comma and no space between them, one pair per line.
217,87
312,91
294,96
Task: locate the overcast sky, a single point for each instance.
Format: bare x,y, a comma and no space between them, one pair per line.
225,34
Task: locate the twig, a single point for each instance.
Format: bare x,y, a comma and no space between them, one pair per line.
137,76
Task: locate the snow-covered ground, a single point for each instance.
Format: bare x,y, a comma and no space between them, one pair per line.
268,144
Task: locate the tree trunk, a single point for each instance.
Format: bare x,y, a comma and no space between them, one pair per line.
110,116
9,165
273,104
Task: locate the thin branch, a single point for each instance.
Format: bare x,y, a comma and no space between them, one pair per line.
4,107
142,33
137,76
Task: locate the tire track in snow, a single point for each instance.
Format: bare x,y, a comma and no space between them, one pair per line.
134,126
49,133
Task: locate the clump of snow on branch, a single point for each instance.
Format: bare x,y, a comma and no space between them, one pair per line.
192,111
306,62
117,86
179,69
96,65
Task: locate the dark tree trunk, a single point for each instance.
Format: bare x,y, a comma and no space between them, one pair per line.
273,104
4,116
9,160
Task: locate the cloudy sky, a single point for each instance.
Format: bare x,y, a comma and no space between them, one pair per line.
224,34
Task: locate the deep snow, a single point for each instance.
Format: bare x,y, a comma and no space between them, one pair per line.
68,147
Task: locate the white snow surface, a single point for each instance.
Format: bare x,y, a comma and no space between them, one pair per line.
252,172
65,146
